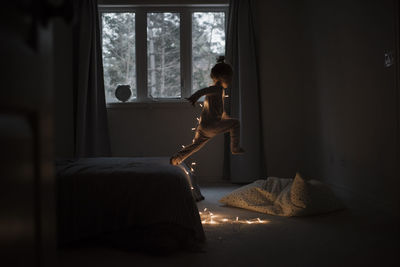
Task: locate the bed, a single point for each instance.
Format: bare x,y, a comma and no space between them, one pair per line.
125,198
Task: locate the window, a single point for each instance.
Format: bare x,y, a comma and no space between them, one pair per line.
162,53
208,41
119,57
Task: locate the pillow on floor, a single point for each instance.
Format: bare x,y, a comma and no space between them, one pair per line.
259,196
244,195
313,196
284,197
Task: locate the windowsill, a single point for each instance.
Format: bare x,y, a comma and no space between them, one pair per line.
152,104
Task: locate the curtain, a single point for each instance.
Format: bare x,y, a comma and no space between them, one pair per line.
244,101
91,126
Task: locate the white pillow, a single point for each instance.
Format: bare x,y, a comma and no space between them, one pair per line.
284,197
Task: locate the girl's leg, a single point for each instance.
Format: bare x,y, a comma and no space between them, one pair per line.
233,126
198,142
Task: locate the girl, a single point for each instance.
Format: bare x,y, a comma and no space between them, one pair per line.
213,119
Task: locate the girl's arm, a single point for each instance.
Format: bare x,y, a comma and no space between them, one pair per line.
205,91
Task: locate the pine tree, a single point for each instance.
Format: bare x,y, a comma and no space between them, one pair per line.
163,51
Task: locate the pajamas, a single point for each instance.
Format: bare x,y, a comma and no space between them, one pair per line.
213,121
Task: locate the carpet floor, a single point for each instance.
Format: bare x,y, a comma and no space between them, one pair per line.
356,236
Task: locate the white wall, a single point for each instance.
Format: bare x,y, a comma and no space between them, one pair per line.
159,129
330,106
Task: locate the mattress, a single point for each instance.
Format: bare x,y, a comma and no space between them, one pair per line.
100,196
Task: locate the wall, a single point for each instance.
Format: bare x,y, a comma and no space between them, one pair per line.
331,107
159,129
357,95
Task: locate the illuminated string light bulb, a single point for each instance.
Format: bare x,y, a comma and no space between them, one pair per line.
192,187
191,169
209,218
201,105
226,95
198,119
193,129
183,146
193,163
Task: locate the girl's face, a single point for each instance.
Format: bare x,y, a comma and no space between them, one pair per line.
223,84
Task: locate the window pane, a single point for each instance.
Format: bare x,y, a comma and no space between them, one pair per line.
119,58
163,55
208,42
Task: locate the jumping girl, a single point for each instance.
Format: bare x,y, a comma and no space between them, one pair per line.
213,119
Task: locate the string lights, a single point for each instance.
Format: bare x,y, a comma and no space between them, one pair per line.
207,217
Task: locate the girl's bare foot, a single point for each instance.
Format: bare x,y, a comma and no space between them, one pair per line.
174,160
237,151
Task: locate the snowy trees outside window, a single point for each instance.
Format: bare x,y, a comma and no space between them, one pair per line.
119,55
208,42
163,55
161,67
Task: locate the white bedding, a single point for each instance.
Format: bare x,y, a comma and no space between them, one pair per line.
284,197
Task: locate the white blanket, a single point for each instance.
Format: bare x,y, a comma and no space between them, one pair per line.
284,197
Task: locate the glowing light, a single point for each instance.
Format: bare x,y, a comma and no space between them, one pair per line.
201,105
193,163
191,169
226,95
192,187
198,119
183,146
193,129
207,217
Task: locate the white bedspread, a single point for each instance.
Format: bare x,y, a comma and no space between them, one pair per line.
284,197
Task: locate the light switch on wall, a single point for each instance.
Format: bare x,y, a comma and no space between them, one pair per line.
389,59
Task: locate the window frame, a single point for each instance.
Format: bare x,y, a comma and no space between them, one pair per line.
185,14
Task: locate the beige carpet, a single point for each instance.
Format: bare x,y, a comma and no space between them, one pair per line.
353,237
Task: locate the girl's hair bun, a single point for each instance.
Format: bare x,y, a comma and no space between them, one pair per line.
221,59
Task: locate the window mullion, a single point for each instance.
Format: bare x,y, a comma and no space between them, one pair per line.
141,55
186,52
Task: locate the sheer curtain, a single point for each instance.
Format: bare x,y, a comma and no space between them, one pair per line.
91,126
244,101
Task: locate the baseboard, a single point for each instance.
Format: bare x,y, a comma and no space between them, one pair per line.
211,180
364,200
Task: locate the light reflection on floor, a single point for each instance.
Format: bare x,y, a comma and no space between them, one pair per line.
209,218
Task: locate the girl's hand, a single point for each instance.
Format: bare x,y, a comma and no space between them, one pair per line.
192,100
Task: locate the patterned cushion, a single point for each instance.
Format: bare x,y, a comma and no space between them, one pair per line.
284,197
